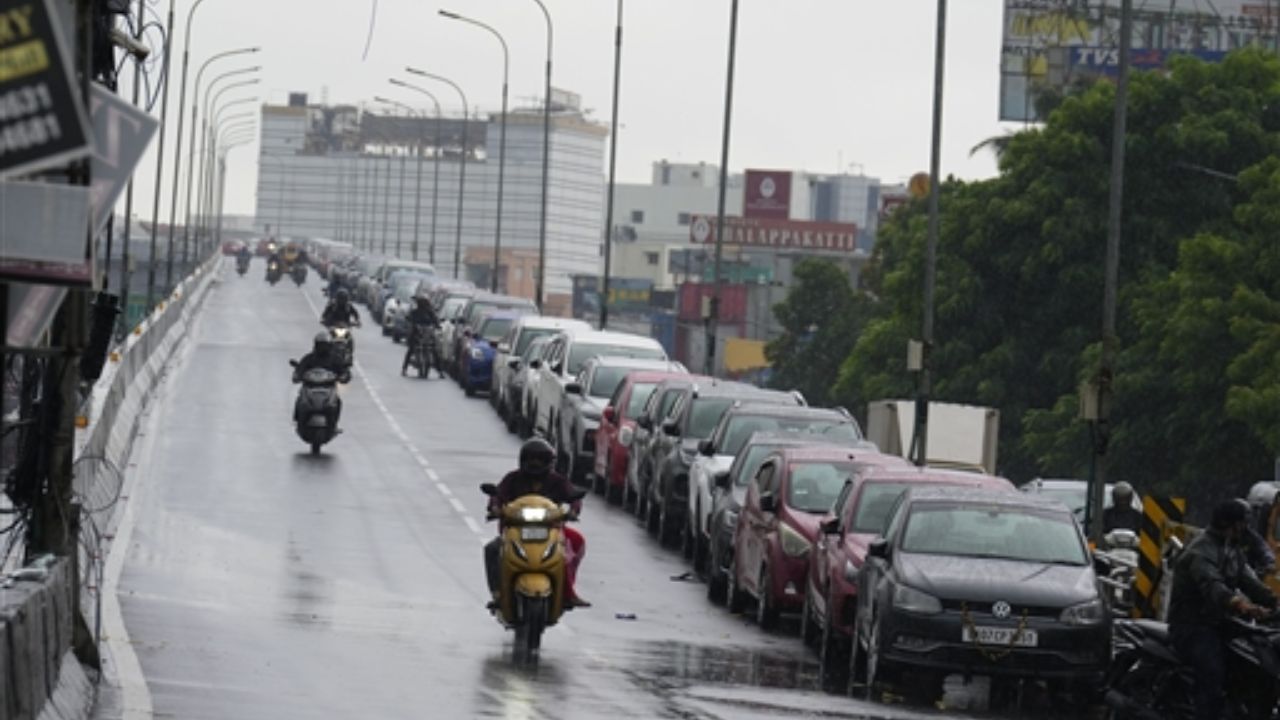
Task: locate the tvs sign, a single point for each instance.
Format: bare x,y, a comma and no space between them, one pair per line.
768,194
785,234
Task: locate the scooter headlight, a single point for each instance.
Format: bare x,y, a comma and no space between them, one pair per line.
533,515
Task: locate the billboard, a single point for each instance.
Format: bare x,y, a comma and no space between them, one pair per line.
1054,43
767,194
781,234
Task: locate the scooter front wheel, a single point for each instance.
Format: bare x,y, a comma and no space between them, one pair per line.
533,620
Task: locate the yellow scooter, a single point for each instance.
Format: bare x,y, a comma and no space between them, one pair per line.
532,588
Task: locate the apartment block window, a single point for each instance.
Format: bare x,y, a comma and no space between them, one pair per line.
683,218
637,216
651,258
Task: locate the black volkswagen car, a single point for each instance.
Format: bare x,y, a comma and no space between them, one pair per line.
980,582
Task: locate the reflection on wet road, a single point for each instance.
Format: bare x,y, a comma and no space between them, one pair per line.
262,583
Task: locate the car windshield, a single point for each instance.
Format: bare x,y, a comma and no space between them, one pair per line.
640,393
1073,498
874,504
494,328
606,380
534,350
581,353
480,309
528,335
742,427
705,414
451,307
755,455
816,485
993,531
407,289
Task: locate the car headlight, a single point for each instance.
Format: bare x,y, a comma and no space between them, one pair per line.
850,572
1086,614
533,515
793,543
477,353
914,601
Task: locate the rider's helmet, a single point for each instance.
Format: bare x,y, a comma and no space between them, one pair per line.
536,457
343,297
1263,495
1230,513
422,301
322,343
1122,495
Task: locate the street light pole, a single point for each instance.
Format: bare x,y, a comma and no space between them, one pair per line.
541,283
613,166
502,143
920,439
435,182
462,172
208,156
417,206
196,103
713,318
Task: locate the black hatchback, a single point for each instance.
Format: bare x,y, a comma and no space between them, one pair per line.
980,582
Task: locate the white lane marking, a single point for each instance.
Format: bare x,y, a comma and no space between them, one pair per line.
399,432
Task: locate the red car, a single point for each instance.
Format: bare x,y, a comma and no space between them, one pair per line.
857,518
617,427
792,491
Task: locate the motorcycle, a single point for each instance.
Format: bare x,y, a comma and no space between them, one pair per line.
1121,560
343,343
273,271
315,414
299,273
531,593
423,355
242,265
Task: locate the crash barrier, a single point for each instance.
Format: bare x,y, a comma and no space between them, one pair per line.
1161,519
40,678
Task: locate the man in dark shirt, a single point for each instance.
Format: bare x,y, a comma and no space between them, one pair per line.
1211,583
536,477
422,319
321,356
339,311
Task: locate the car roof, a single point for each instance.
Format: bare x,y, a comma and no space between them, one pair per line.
637,363
985,496
751,406
654,376
730,388
600,337
788,439
938,476
832,452
499,315
482,296
546,321
398,264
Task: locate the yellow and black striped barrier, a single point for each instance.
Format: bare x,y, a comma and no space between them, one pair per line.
1161,518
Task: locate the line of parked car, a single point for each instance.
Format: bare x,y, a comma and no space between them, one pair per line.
899,575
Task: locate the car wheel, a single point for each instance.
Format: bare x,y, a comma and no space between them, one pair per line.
686,542
876,667
612,493
716,584
809,628
652,517
668,526
699,546
766,613
830,646
468,389
735,598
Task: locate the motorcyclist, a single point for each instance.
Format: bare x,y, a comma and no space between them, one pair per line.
1212,582
244,255
322,357
536,477
1122,515
422,319
340,311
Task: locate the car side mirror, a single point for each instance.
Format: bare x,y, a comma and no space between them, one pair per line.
722,480
671,427
609,414
514,363
879,548
768,503
830,526
535,364
706,447
558,368
573,388
489,489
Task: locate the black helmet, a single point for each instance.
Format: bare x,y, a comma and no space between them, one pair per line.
322,342
422,301
343,297
1230,513
536,457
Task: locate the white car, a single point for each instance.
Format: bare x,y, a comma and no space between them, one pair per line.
563,360
449,313
506,361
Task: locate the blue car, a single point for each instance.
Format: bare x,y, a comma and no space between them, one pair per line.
479,347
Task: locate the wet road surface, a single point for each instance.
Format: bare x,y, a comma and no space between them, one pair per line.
261,582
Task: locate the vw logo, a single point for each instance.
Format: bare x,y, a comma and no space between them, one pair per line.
1002,610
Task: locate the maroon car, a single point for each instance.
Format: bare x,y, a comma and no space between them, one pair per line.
790,494
617,426
857,518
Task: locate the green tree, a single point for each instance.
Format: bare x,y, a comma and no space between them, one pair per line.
821,318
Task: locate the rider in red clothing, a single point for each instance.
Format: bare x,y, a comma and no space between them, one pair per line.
535,477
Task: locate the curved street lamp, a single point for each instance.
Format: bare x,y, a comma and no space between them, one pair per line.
400,189
502,141
191,167
435,183
462,173
417,195
546,164
215,127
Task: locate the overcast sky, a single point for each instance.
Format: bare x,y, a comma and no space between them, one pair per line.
822,85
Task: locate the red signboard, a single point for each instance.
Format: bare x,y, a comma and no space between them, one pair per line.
785,234
767,194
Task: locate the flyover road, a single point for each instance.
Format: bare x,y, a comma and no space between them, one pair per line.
262,582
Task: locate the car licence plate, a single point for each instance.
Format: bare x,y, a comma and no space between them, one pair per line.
1000,636
534,533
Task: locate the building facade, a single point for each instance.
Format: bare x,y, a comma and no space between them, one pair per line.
348,173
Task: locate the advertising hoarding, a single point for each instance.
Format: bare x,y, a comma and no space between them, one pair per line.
782,234
1053,43
767,194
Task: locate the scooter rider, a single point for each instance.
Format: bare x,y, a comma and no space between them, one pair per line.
244,255
340,311
322,357
535,477
1212,582
422,319
1121,515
